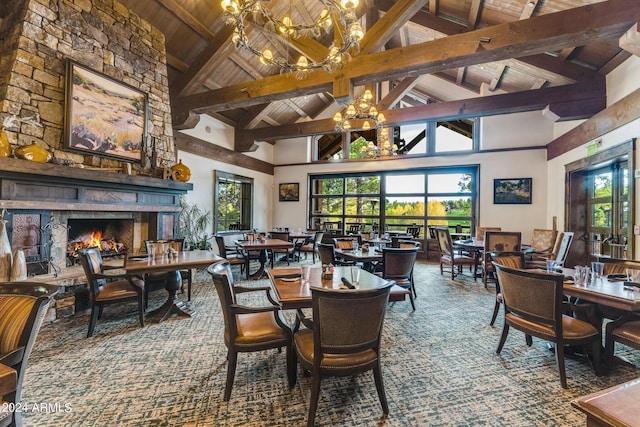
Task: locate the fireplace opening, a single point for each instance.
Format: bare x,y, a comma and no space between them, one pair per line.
112,236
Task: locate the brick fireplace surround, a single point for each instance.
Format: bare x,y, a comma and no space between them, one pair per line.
54,194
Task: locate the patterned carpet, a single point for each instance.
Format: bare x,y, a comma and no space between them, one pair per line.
439,368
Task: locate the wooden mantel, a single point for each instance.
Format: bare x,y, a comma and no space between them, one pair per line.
31,185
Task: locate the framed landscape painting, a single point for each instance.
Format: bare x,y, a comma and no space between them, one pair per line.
512,191
104,117
289,192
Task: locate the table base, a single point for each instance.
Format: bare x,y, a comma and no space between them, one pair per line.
172,306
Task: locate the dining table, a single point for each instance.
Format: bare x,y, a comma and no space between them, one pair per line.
292,285
262,245
171,265
368,256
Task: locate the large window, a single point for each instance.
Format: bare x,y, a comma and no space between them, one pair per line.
418,138
233,199
395,200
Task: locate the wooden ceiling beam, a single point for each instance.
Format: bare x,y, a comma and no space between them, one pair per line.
466,108
542,60
474,14
252,117
497,76
528,9
630,41
207,61
186,17
397,93
565,111
599,21
616,115
205,149
388,26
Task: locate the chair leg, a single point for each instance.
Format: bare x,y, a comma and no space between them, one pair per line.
232,358
503,338
189,287
596,349
377,376
291,365
413,304
141,309
496,309
315,395
560,361
94,319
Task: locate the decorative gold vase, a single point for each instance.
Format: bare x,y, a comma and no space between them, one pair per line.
33,152
5,147
180,172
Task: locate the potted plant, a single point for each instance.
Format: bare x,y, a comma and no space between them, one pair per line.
193,223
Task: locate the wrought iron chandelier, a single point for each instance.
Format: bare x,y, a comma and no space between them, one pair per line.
349,32
363,115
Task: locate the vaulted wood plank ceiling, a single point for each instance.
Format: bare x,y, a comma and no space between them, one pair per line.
501,55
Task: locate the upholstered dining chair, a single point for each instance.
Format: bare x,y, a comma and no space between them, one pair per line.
287,253
558,253
533,303
155,281
507,259
249,329
327,254
106,289
23,306
397,265
624,330
498,241
449,257
342,338
542,242
481,230
311,246
234,257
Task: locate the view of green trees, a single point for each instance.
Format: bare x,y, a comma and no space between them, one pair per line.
361,196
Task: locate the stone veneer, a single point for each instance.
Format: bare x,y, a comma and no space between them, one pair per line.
38,38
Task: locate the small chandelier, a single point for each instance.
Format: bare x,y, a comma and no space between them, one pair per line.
363,112
363,115
384,147
237,12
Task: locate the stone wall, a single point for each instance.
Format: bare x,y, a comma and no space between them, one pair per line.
101,35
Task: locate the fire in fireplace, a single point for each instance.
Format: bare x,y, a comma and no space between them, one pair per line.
112,236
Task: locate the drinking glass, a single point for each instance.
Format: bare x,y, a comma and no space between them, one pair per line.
551,265
355,275
581,275
152,250
633,275
355,246
597,268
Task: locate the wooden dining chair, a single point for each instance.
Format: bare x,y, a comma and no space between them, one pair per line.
233,256
286,253
249,329
498,241
449,257
342,338
534,304
397,266
108,289
507,259
311,246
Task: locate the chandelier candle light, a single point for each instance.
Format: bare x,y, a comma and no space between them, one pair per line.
365,114
348,31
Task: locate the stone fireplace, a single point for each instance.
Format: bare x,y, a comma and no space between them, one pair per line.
51,205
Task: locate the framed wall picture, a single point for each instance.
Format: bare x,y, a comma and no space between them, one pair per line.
289,192
103,117
512,191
